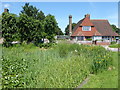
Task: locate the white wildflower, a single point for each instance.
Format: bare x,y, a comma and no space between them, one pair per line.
75,50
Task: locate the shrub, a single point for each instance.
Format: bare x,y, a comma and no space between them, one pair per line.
89,39
114,46
46,45
113,42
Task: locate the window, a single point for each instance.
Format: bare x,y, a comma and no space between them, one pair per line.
86,28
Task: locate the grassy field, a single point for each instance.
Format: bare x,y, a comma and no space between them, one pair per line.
61,66
106,79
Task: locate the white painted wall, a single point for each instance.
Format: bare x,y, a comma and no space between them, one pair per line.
97,37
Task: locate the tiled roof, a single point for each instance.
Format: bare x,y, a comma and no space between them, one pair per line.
100,27
104,27
79,32
86,22
77,25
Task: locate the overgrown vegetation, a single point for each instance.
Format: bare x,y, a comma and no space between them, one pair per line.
106,79
61,66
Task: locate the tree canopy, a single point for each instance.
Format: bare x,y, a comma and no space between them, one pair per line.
30,26
40,16
50,25
30,10
115,29
67,28
0,23
59,31
9,28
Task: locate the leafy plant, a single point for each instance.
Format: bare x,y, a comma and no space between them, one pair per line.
9,28
114,46
113,42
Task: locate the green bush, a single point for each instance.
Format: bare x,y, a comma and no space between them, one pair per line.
89,39
113,42
114,46
46,45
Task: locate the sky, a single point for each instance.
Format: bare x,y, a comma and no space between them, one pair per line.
62,10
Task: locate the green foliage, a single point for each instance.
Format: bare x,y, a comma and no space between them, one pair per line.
30,29
38,32
9,28
30,10
114,46
0,26
58,31
89,39
115,29
67,28
101,61
25,25
50,26
106,79
46,45
0,23
40,16
54,67
113,42
30,26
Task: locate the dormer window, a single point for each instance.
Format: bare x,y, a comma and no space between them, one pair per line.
86,28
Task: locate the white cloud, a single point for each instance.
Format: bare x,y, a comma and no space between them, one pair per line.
6,5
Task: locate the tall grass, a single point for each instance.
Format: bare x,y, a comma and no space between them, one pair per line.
61,66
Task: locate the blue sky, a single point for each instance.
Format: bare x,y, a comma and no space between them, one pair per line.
61,10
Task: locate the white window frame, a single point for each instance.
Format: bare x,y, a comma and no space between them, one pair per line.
83,28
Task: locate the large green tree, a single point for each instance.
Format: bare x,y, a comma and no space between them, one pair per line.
115,29
31,26
9,28
0,23
28,15
0,26
38,32
50,25
30,10
67,28
31,23
58,31
29,29
40,16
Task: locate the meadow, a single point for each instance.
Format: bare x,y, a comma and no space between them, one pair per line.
59,66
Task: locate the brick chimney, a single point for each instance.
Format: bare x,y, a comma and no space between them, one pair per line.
70,25
87,16
6,10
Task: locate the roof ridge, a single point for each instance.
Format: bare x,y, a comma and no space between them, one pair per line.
99,20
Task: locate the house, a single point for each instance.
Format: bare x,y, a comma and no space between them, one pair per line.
94,29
